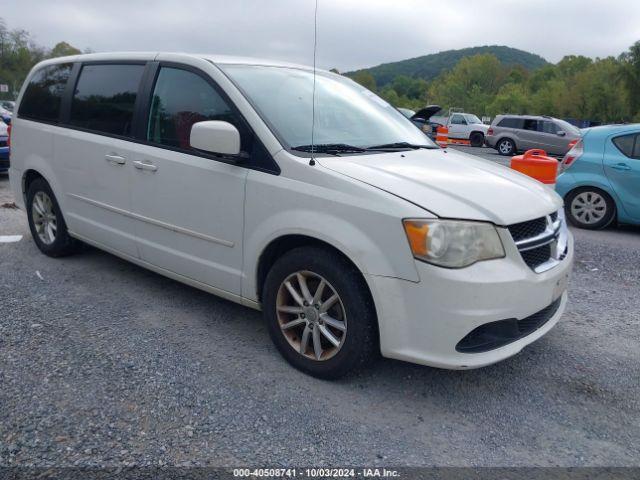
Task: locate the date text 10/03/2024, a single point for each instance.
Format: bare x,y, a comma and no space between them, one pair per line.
315,472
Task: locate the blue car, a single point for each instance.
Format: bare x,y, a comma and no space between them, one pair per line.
600,179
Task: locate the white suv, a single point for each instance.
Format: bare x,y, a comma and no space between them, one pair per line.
352,231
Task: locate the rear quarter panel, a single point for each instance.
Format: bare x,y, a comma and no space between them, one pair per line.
588,170
31,149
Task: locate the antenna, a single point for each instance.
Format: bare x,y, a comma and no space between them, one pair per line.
312,162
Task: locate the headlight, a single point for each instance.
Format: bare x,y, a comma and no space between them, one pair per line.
451,243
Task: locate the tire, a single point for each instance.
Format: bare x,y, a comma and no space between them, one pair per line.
506,147
590,208
476,139
358,343
43,211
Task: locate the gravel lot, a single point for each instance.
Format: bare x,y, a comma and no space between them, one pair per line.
104,363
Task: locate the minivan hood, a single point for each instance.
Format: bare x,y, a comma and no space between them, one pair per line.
452,184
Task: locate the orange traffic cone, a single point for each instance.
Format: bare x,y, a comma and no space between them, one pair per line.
442,136
537,164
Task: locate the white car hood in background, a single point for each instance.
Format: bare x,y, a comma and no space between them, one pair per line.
452,184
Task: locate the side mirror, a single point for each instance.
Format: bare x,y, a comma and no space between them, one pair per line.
214,136
562,134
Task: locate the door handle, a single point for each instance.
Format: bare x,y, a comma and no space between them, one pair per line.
621,166
145,166
116,159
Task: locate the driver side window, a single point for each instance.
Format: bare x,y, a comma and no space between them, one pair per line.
180,99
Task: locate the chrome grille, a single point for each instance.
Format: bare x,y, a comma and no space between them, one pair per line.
542,242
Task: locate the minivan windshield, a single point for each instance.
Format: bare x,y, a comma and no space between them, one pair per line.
348,117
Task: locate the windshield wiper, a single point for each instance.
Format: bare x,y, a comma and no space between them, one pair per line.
330,148
400,145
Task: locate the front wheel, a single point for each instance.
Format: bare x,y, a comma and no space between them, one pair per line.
319,312
590,208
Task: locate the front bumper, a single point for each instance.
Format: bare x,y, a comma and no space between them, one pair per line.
423,322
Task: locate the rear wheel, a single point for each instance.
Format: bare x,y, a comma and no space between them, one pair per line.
319,312
476,139
590,208
48,228
506,146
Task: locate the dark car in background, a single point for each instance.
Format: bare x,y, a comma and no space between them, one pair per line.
510,134
4,147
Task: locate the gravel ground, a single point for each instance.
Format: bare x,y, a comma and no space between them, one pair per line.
105,363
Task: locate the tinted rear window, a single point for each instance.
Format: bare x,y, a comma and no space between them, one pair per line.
42,98
510,122
104,98
625,144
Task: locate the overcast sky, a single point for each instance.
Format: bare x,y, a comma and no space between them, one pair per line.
351,33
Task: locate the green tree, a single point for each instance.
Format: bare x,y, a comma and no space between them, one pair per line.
365,79
19,53
471,85
63,49
630,75
512,98
571,65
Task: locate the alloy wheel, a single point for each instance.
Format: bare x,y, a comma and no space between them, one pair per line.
505,147
44,218
589,207
311,315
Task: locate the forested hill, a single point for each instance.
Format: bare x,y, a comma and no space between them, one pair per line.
430,66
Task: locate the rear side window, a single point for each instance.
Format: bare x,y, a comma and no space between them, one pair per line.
510,122
625,144
105,97
458,120
42,98
531,125
180,99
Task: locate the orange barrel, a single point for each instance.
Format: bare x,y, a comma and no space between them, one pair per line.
442,136
537,164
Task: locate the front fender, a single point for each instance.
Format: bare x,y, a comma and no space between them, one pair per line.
372,238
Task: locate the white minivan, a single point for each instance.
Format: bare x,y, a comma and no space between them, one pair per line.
350,229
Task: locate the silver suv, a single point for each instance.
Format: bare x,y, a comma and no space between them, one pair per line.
512,133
